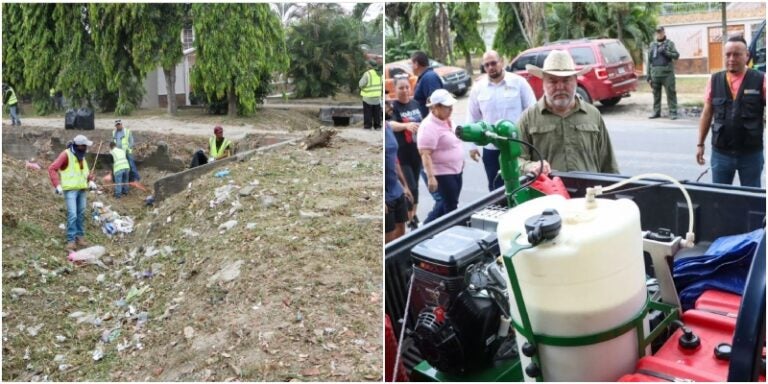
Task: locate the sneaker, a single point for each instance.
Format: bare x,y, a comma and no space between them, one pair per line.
71,246
654,116
81,242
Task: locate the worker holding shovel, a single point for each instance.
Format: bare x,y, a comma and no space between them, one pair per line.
71,177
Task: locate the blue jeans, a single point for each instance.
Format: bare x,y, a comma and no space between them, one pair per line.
449,188
14,110
491,164
121,177
75,201
724,167
134,173
435,195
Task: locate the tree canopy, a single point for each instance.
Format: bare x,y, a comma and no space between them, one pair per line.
238,48
325,52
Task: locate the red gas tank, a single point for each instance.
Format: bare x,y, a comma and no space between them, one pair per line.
549,186
719,302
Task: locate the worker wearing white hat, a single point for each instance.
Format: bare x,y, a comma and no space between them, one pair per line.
71,177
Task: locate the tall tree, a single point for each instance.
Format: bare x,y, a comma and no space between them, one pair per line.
158,42
510,37
464,18
115,27
238,48
433,29
325,54
13,45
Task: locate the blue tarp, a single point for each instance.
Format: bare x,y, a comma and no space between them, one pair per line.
724,266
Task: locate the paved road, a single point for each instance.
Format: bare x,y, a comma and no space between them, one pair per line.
641,146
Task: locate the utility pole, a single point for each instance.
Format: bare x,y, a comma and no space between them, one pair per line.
724,35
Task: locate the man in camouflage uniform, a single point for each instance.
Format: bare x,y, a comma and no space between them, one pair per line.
661,72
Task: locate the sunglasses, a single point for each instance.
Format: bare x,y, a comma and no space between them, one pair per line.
490,64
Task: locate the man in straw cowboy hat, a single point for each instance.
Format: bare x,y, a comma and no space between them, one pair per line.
569,133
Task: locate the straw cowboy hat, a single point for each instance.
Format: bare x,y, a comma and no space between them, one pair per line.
558,63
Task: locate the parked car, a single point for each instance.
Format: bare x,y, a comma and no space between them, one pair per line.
757,49
611,78
456,80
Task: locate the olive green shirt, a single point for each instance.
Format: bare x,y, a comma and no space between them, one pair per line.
577,142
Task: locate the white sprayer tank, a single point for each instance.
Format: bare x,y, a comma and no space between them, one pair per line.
589,279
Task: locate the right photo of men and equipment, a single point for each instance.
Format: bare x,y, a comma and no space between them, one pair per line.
575,192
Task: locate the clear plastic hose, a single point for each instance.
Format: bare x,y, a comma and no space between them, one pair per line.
599,189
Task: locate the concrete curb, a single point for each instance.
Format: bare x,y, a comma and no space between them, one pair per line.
173,184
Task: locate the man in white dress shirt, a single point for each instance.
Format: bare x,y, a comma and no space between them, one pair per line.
498,96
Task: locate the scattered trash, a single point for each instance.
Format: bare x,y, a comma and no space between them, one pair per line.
226,274
149,201
250,226
110,335
100,278
227,226
26,354
60,338
64,367
189,332
267,201
309,215
135,292
299,317
247,190
98,354
189,233
110,221
166,250
224,172
18,291
33,331
221,194
367,218
142,319
58,358
87,255
62,226
151,251
32,165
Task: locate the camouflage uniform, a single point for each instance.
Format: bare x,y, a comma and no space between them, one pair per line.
661,72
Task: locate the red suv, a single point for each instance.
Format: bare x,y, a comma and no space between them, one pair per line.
611,78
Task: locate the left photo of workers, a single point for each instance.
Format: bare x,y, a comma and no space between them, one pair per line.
195,194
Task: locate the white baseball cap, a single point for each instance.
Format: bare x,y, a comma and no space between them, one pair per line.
82,140
442,97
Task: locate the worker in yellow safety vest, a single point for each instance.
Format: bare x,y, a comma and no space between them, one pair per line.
120,170
10,99
71,177
218,148
123,138
370,90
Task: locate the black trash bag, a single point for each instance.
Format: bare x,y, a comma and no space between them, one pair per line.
69,119
85,119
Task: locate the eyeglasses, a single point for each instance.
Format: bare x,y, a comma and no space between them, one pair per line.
490,64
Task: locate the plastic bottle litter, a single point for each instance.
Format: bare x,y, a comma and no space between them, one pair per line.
88,254
150,200
224,172
228,225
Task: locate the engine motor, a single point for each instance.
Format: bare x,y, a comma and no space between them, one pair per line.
459,301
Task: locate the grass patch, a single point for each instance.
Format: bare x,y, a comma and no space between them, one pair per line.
695,85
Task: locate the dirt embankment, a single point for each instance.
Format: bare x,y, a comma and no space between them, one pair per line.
272,272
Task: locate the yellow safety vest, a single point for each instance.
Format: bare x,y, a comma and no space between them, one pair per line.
373,88
74,178
53,92
119,160
212,144
12,100
124,142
